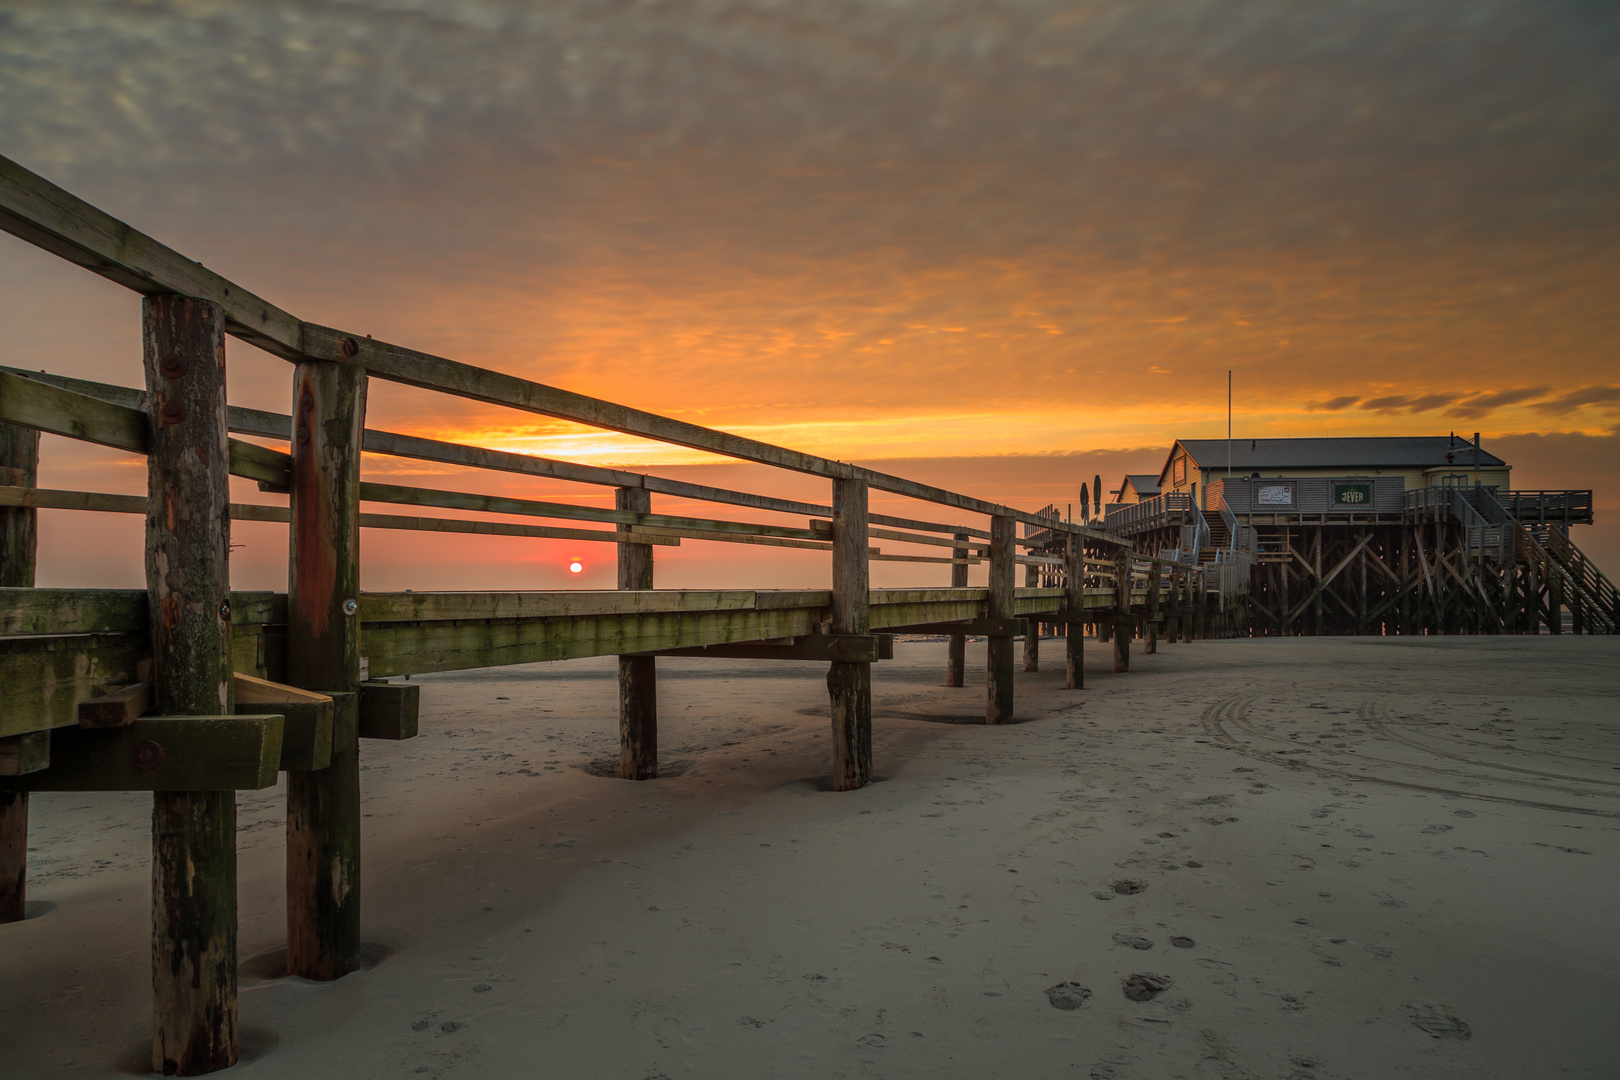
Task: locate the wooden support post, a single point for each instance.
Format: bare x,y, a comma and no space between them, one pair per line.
1555,601
1122,605
323,653
1154,571
188,591
638,675
1075,641
956,648
19,467
850,684
1032,636
998,708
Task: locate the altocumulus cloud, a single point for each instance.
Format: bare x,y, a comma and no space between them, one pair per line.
754,209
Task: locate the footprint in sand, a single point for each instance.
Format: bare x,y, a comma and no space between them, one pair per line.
1182,942
1135,941
1129,886
1067,996
1145,986
1437,1022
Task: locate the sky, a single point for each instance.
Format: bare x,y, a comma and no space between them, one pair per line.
1006,246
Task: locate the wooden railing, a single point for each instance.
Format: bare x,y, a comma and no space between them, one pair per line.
191,691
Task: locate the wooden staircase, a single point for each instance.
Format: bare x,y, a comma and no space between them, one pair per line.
1593,601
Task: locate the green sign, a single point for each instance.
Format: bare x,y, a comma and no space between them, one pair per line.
1352,495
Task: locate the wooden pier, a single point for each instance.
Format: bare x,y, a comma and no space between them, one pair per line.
193,692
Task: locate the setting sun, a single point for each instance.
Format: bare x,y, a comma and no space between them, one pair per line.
575,567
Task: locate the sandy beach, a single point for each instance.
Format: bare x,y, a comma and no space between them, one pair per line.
1338,857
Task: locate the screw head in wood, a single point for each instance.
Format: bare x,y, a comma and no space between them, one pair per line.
307,402
350,607
225,610
147,756
351,347
303,434
172,366
172,412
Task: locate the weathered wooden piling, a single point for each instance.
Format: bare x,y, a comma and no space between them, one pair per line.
638,675
1122,606
19,466
999,646
1153,610
1032,636
956,647
188,590
1074,601
850,684
323,653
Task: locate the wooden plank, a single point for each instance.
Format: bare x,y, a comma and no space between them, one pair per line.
274,425
850,648
446,606
992,628
193,754
493,504
323,654
43,679
27,401
306,741
19,465
389,710
849,684
410,648
194,1027
135,504
24,754
61,612
118,708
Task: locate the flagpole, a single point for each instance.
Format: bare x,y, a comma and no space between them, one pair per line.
1229,423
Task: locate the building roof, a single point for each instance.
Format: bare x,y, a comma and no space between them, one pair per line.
1144,483
1366,452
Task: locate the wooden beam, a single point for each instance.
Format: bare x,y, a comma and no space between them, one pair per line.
166,754
849,683
24,754
194,1028
323,654
31,403
494,504
118,708
19,465
306,740
989,628
49,499
272,425
824,648
389,710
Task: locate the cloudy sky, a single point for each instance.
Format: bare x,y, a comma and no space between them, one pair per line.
1038,233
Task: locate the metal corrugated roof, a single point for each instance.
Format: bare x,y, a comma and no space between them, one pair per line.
1144,483
1367,452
